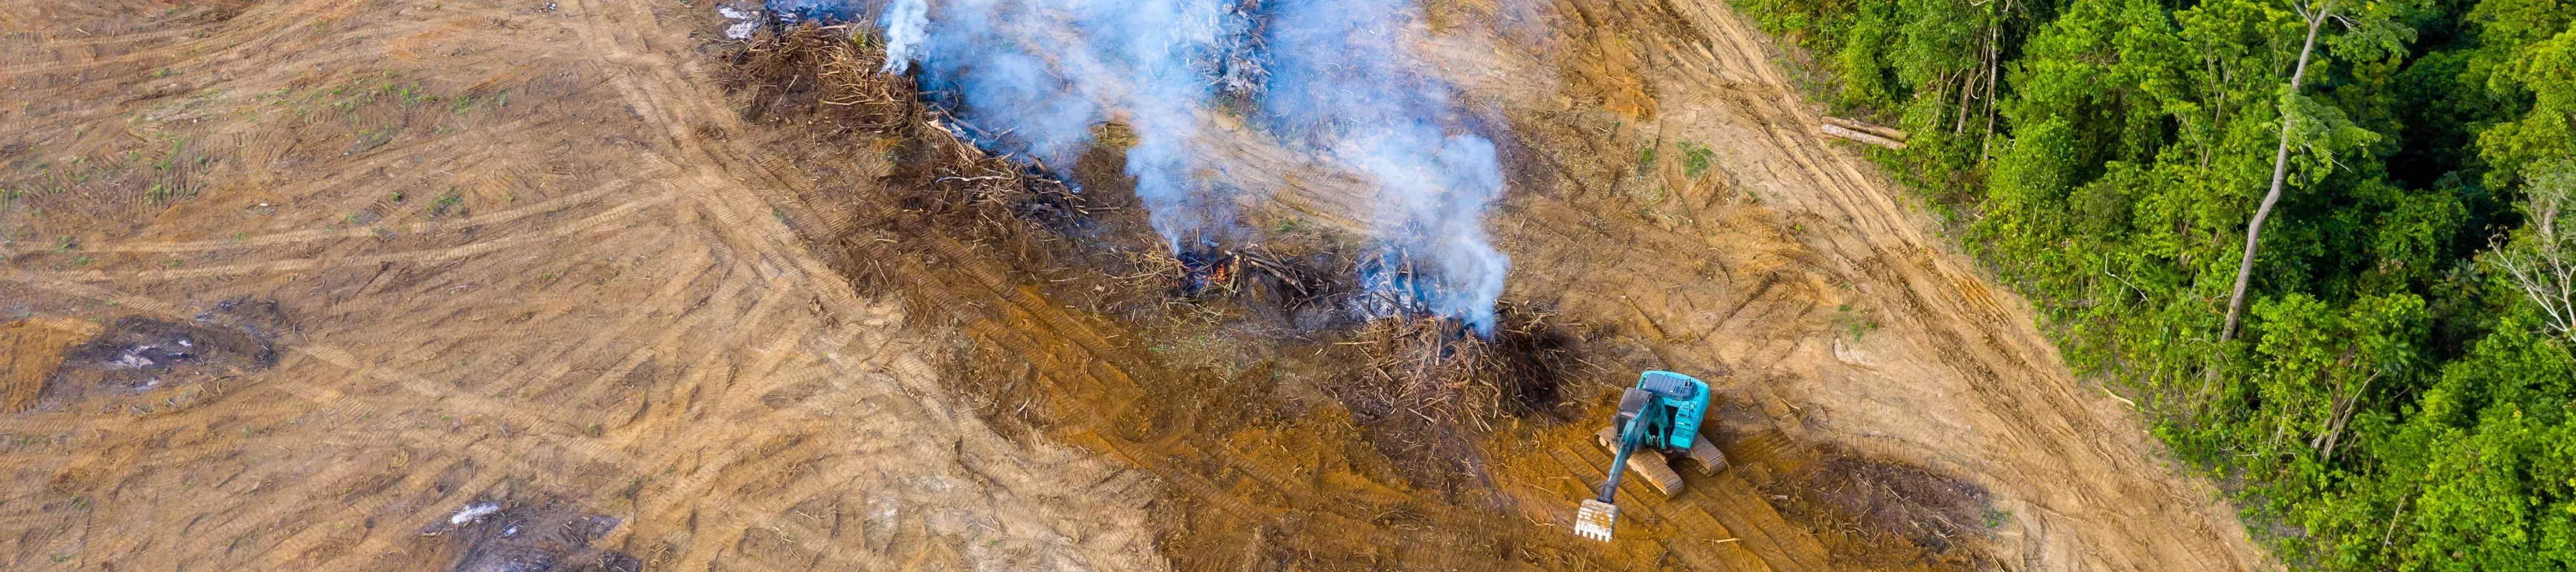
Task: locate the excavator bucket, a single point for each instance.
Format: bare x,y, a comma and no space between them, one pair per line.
1596,519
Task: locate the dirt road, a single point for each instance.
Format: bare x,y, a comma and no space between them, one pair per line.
529,250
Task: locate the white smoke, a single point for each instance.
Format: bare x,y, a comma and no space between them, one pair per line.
1331,78
905,22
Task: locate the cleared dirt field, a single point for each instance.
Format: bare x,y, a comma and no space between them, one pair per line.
565,259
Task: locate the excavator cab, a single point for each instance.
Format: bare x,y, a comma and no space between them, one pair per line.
1685,401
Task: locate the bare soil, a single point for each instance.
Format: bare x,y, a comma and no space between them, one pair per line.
35,351
642,289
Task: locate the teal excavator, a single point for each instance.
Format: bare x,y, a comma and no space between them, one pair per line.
1660,416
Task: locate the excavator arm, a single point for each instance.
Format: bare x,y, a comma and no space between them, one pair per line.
1600,514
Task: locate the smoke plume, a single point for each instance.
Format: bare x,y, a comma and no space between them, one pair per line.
1329,77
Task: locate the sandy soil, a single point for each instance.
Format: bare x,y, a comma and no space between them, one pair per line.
531,253
609,309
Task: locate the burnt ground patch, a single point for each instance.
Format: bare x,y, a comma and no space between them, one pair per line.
501,534
148,365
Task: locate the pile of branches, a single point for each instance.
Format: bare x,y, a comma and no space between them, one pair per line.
1290,282
1881,499
954,176
1438,370
832,81
1423,387
824,75
1297,282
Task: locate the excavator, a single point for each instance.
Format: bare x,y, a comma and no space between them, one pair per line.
1661,415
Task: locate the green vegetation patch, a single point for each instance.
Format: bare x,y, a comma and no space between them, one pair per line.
2397,394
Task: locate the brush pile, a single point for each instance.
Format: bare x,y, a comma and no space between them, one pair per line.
1436,369
1295,283
820,74
1423,387
1928,509
830,82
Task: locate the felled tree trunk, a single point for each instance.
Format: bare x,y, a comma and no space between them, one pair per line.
1863,132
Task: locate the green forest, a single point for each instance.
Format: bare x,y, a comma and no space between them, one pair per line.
2394,389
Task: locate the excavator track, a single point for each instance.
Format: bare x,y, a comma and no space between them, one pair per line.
1648,463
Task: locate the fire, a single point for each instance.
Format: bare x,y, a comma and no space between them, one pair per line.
1204,268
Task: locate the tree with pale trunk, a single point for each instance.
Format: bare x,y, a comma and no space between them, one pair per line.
2315,15
2369,32
2540,261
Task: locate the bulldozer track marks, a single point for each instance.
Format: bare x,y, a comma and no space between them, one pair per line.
660,283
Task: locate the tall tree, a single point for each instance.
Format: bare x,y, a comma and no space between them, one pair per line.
2316,16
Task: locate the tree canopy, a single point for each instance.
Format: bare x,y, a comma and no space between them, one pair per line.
2399,395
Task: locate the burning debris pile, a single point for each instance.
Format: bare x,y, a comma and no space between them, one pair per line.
828,78
1205,270
1329,78
981,143
1423,359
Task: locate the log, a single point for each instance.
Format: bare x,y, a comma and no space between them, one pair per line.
1890,133
1840,131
